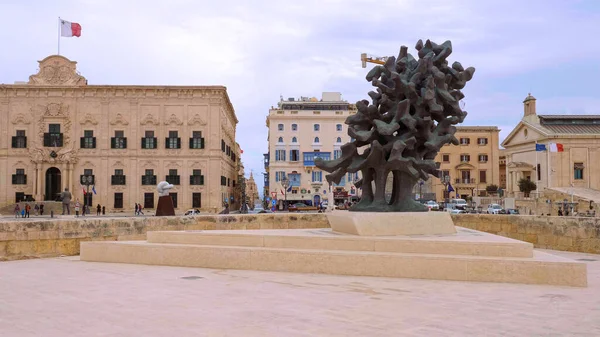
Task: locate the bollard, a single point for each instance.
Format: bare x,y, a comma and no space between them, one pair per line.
52,214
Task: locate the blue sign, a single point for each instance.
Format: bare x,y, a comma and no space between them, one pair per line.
268,199
273,202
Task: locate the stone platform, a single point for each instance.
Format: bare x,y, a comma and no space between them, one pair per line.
468,255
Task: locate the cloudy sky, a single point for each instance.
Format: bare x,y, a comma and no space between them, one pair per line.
263,49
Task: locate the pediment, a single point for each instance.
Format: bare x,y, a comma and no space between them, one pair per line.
464,166
524,132
57,70
520,164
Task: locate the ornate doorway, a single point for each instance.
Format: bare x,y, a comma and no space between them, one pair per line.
53,184
316,200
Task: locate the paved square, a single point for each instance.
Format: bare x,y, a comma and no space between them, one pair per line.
68,297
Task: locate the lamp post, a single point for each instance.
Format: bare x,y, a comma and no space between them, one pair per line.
285,183
446,181
87,180
421,182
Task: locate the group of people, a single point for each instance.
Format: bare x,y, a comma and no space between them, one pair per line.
26,210
139,210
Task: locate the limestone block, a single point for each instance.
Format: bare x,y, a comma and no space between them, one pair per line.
386,224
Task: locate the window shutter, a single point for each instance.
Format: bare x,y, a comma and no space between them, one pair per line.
46,139
167,143
191,142
155,143
201,180
81,142
179,142
25,141
142,144
25,179
94,142
14,179
124,143
201,143
14,141
60,140
113,142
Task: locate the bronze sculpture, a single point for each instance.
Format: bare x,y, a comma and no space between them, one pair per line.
414,110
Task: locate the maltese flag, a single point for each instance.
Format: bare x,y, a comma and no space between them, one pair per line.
69,29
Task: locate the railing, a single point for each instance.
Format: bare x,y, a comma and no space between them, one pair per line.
172,179
148,180
464,181
117,180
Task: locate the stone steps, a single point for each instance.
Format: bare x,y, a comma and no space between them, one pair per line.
326,239
466,256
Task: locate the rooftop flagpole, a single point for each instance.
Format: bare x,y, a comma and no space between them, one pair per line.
59,35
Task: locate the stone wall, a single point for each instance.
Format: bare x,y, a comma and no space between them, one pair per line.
549,232
45,238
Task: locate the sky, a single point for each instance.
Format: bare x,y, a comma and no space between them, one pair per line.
263,49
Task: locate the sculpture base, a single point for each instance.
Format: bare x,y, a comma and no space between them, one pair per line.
165,206
387,224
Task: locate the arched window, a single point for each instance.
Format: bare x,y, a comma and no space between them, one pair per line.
294,127
338,140
280,140
294,140
316,139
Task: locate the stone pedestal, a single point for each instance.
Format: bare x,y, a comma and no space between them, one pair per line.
388,224
165,206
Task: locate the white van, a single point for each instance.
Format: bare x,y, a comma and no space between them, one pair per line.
460,204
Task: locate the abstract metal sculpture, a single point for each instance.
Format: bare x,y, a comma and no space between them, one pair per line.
414,110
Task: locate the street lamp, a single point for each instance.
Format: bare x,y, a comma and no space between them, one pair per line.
285,183
87,180
421,182
446,181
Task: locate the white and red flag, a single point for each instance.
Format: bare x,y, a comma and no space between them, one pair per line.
69,29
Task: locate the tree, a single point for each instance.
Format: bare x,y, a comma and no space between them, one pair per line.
491,188
526,186
412,115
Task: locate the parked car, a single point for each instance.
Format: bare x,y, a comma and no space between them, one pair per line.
301,207
192,212
512,211
495,209
432,205
460,204
458,211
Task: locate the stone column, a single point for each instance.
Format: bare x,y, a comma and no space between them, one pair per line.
63,176
39,194
35,189
71,185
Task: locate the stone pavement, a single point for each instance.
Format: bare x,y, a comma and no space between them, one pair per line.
68,297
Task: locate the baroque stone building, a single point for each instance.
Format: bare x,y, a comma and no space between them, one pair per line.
252,191
59,132
577,141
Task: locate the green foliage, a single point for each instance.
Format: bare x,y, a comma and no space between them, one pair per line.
491,188
526,186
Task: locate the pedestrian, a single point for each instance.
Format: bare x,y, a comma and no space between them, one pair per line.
76,208
103,210
83,208
17,210
140,209
23,212
66,201
27,210
36,209
98,209
136,209
41,209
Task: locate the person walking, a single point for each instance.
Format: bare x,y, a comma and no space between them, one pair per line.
98,210
66,201
140,209
17,210
27,210
36,209
103,210
136,209
41,209
76,208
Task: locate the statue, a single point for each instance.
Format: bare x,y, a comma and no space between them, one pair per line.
414,110
165,202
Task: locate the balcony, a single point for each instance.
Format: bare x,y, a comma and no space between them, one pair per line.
148,180
117,180
465,181
172,179
53,139
309,157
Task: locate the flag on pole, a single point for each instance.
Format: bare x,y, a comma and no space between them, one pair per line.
540,147
556,147
94,189
289,189
450,188
282,192
69,29
83,188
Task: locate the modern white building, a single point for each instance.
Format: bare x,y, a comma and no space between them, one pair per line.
301,130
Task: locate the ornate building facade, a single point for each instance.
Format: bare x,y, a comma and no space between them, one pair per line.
252,191
59,132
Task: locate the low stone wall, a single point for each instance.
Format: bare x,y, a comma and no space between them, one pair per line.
46,238
549,232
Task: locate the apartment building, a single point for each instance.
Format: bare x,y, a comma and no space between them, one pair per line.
301,130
